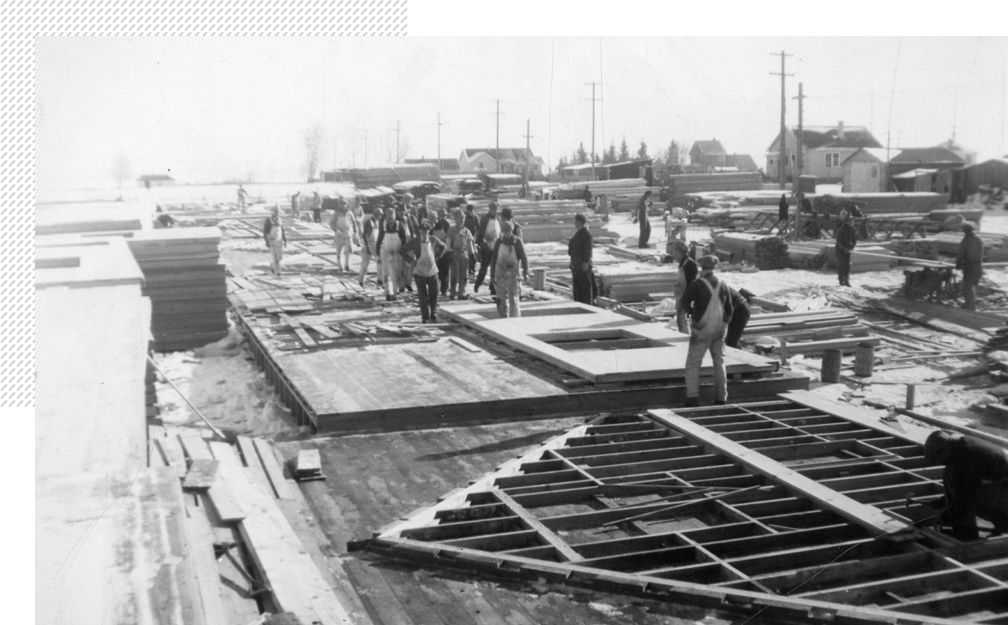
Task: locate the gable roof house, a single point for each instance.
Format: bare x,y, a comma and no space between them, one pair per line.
510,161
444,165
930,169
824,149
708,153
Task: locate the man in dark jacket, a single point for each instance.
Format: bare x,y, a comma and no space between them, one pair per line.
708,330
846,239
975,480
486,236
471,223
686,274
970,261
507,215
740,316
640,216
580,251
782,213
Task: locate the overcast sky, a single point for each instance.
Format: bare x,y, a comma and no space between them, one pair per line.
203,110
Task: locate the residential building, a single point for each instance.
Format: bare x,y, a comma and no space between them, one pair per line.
929,169
155,180
993,173
504,161
710,154
866,171
824,149
446,165
639,168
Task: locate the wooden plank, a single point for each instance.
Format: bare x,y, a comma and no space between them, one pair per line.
201,542
228,508
563,550
195,447
324,331
866,516
273,470
308,462
859,416
200,475
305,338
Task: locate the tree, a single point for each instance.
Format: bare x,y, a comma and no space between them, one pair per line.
609,156
121,168
624,152
312,137
563,163
675,157
581,155
642,150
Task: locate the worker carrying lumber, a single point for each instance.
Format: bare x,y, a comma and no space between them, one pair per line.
508,255
486,237
472,224
685,275
276,238
426,249
782,215
740,316
710,308
640,216
970,261
345,234
846,239
975,480
439,230
242,194
580,251
369,246
462,247
316,207
391,239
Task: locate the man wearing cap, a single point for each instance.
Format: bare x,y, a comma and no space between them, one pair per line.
426,249
508,257
684,277
970,261
276,238
486,237
471,223
369,246
507,215
846,239
580,251
975,480
391,239
641,216
710,308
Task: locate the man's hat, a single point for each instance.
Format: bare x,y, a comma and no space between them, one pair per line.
968,227
423,225
708,263
493,205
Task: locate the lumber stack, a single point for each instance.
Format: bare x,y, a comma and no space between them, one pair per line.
185,281
864,258
995,245
809,333
636,287
884,203
766,251
543,221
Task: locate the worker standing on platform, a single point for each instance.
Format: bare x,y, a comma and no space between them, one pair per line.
472,224
740,316
508,254
391,239
316,207
426,249
685,275
369,249
846,239
295,205
276,238
344,233
710,308
580,251
486,237
462,247
782,215
970,261
242,194
640,216
975,480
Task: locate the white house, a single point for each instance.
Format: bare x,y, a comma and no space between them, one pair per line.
510,160
824,149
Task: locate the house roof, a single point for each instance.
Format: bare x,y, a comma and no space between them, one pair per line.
503,154
928,155
878,153
742,161
153,177
446,163
962,152
710,148
913,173
829,137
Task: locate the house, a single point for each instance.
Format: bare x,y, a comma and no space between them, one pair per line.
966,154
741,162
866,171
824,149
504,161
639,168
940,164
992,173
445,164
710,154
155,180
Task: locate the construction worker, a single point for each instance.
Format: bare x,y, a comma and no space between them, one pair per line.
426,249
975,480
640,216
316,207
676,224
740,316
580,251
970,261
242,194
846,239
391,239
486,237
296,205
344,234
462,247
276,238
710,308
508,253
782,214
471,223
439,230
686,274
507,215
369,249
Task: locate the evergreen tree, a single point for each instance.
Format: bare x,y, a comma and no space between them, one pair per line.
563,163
624,152
609,156
581,156
642,150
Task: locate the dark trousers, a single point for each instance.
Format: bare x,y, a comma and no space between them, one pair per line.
584,286
427,292
486,253
645,233
843,267
736,326
443,265
316,215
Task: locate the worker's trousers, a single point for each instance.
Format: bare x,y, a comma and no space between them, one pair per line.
276,251
645,233
486,253
443,269
427,293
342,242
458,273
843,262
583,283
508,294
391,263
365,260
971,278
740,317
698,348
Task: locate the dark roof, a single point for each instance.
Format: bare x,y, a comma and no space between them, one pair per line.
153,177
829,137
928,155
506,154
710,148
742,161
448,164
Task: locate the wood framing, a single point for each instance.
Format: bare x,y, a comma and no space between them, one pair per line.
792,510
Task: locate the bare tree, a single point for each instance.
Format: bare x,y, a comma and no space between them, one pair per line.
313,138
121,168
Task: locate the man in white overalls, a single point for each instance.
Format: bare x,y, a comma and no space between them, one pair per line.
276,238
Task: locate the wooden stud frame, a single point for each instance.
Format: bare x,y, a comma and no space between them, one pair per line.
792,510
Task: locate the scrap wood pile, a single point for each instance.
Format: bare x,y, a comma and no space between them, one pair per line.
764,250
309,331
185,281
996,351
811,332
926,249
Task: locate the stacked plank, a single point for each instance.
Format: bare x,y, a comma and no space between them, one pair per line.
608,188
926,249
995,245
636,287
184,279
766,251
809,333
863,258
549,220
365,178
883,203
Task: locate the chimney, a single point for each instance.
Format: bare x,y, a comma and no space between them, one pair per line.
840,131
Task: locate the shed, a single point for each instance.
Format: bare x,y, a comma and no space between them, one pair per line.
866,171
993,173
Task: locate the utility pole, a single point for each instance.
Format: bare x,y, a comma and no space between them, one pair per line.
497,155
592,155
528,135
439,140
801,162
783,129
397,141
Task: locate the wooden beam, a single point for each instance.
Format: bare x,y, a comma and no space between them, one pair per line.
866,516
563,550
273,470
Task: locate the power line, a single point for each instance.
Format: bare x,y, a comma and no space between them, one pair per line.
783,103
549,140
